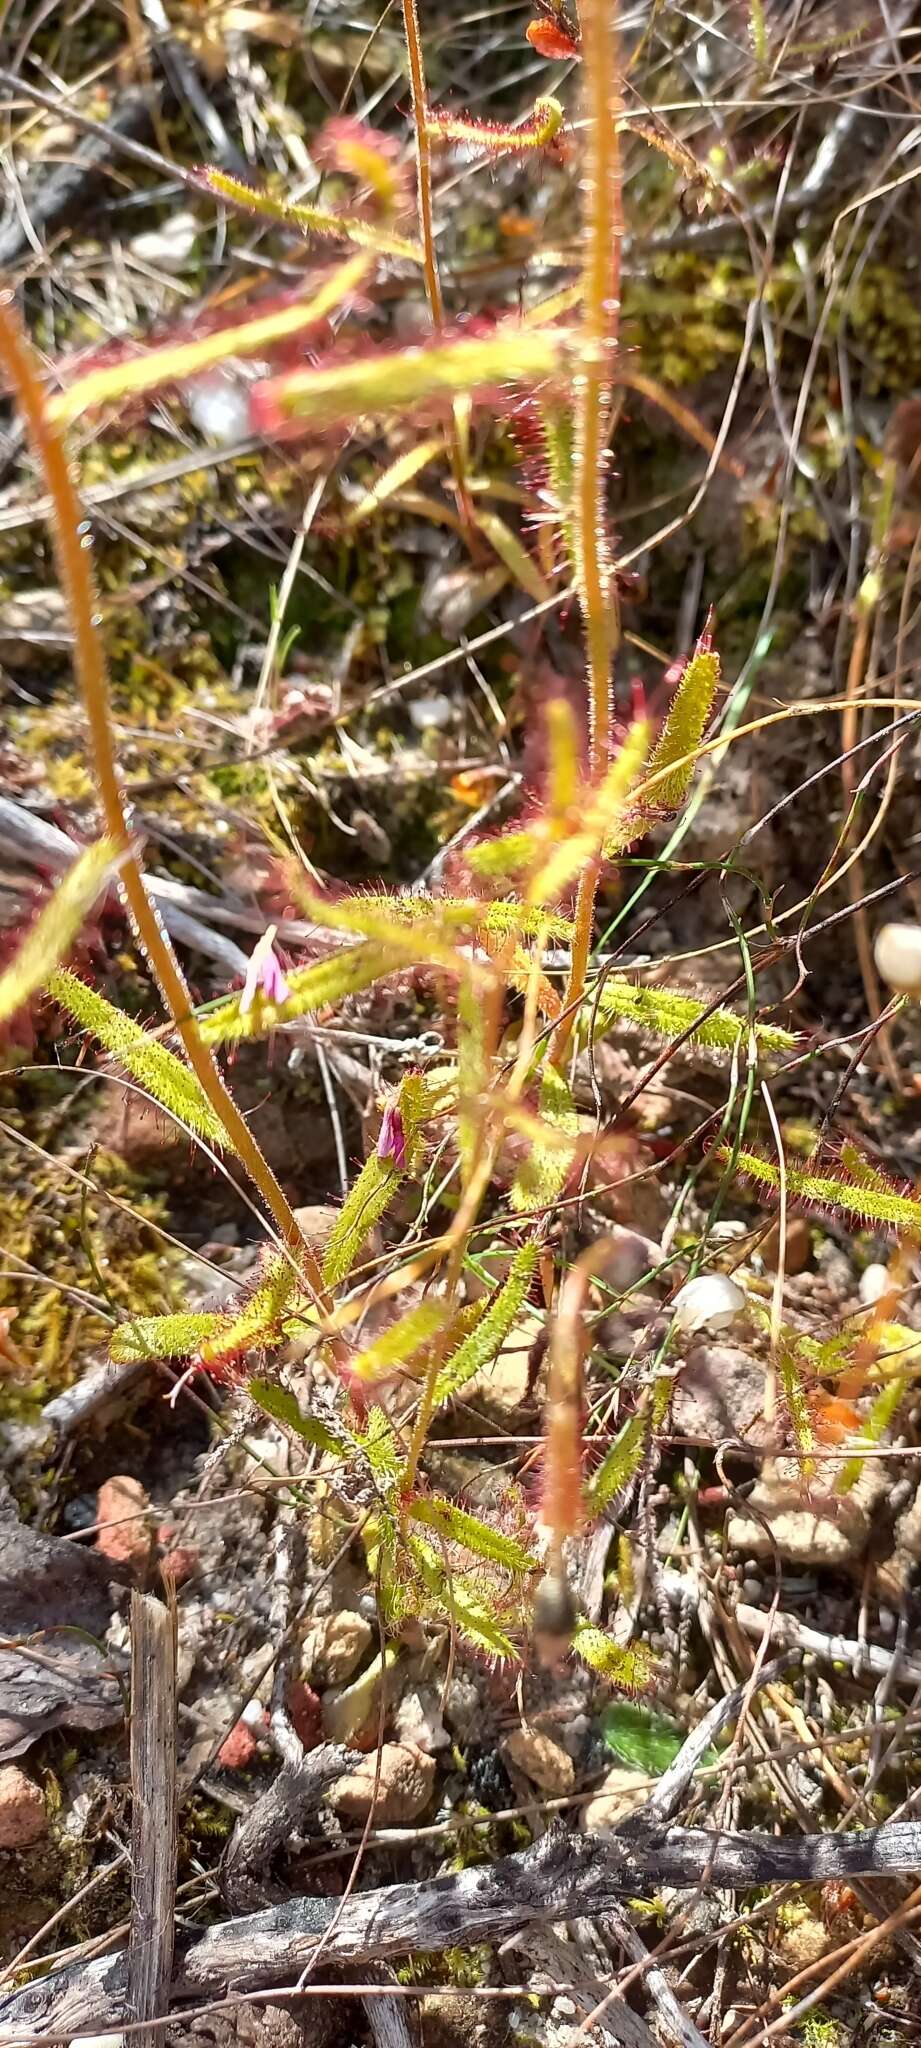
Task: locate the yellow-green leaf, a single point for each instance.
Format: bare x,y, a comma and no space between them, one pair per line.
157,1069
510,551
400,1344
53,935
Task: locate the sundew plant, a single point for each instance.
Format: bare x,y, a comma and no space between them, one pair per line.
462,1225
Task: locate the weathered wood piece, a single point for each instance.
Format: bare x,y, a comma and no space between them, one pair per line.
154,1809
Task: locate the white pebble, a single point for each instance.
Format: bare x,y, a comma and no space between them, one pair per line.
170,246
431,714
874,1283
219,407
897,952
708,1303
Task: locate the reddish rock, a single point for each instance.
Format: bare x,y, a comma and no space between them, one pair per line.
122,1507
306,1712
238,1749
179,1560
23,1819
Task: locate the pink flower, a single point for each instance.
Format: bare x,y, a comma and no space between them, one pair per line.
392,1141
264,974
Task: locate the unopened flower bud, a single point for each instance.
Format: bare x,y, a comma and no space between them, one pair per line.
897,952
708,1303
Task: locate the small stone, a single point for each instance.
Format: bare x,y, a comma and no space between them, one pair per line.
305,1712
404,1786
620,1792
628,1257
798,1249
719,1393
418,1720
238,1749
23,1819
812,1528
335,1647
122,1507
219,407
542,1760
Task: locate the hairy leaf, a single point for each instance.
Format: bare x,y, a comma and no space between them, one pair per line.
399,1345
873,1201
259,1322
605,825
631,1670
882,1412
684,727
457,1526
544,1173
461,1606
620,1464
176,363
364,1206
534,132
310,989
282,1406
484,1342
411,922
53,934
399,380
177,1336
158,1070
311,220
667,1014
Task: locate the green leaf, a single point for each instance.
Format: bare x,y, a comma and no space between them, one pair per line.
544,1173
260,1320
281,1405
380,1447
873,1200
311,220
52,936
630,1669
386,380
667,1014
399,1344
646,1740
178,1336
311,988
481,1346
684,726
457,1526
461,1606
164,1076
364,1205
510,551
620,1464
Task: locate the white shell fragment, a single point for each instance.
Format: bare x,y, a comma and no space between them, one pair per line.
897,952
708,1303
874,1283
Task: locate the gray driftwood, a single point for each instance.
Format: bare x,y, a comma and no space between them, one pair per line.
562,1877
154,1810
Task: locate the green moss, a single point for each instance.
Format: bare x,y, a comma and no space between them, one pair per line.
63,1244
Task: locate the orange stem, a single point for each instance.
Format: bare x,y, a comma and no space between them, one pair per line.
20,366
